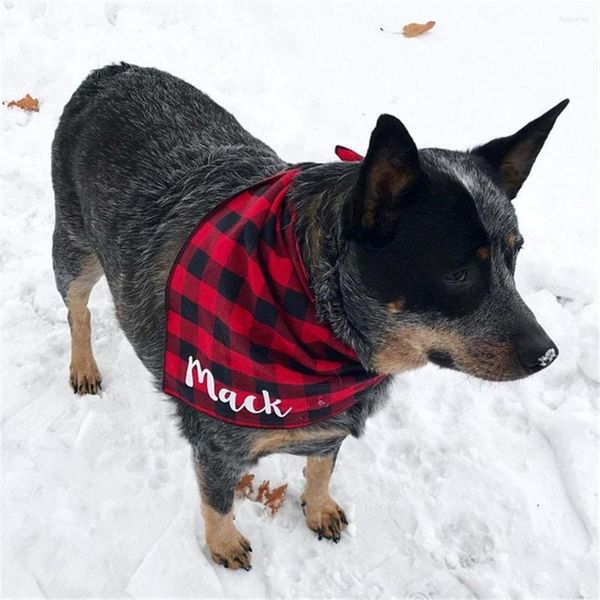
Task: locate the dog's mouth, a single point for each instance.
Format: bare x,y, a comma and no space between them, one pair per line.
441,359
490,360
488,371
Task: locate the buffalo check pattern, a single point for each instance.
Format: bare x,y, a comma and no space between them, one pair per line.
243,341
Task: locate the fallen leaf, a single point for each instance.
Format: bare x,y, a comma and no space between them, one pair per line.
245,485
414,29
276,498
26,103
263,490
271,499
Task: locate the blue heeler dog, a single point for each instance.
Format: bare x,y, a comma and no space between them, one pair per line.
410,255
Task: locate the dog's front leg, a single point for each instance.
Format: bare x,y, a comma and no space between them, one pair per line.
216,481
323,515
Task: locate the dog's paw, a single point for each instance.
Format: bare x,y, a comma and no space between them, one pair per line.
85,378
325,518
233,552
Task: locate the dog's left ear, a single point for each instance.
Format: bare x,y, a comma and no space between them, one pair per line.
513,156
386,183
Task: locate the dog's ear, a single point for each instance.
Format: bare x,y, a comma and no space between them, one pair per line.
513,156
389,173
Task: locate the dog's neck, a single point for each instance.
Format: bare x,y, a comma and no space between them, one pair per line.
319,195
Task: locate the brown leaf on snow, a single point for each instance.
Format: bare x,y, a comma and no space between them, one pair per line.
271,499
414,29
276,498
26,103
263,491
245,485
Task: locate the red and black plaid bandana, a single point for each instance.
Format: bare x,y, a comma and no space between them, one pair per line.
244,343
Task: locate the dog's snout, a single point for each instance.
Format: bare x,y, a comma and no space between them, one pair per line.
535,351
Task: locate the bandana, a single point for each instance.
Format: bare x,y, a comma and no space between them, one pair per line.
243,341
347,155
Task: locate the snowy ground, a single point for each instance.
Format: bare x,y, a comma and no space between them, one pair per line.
459,488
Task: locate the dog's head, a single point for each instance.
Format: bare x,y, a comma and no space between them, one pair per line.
433,238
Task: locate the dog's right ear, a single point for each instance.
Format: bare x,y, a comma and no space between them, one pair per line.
513,156
389,174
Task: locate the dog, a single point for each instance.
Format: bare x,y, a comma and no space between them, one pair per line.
409,257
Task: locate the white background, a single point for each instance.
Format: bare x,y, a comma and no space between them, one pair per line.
459,488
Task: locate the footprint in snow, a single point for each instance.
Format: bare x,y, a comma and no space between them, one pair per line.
468,542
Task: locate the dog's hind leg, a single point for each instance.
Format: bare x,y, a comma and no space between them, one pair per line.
323,515
76,271
216,481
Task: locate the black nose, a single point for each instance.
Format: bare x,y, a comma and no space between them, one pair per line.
536,351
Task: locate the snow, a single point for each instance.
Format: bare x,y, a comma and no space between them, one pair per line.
460,488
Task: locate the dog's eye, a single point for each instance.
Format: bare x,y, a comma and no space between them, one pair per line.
457,276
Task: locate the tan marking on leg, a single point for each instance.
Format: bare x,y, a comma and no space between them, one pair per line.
268,442
511,240
84,374
228,547
323,515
